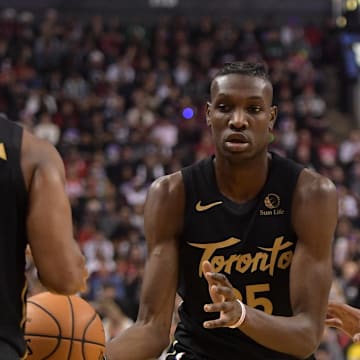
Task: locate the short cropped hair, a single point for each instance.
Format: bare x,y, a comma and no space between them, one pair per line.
253,69
256,69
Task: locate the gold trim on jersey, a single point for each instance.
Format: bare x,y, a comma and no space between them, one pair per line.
3,154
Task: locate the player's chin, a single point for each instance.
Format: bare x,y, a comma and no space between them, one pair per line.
235,155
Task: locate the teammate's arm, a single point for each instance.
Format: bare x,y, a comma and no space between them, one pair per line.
163,217
314,217
57,256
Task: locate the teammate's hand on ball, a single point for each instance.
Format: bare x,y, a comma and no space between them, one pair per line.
224,300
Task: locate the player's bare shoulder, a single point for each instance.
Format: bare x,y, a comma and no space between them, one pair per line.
315,208
165,203
315,192
168,187
37,153
312,184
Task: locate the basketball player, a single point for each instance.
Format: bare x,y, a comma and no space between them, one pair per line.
34,210
344,317
243,236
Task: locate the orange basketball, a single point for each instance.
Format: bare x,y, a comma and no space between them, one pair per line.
62,327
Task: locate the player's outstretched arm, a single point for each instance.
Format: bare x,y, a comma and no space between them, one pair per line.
345,318
163,217
57,256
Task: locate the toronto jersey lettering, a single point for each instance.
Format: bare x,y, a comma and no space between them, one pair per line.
252,244
12,238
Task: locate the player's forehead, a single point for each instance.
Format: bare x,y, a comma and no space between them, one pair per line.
241,86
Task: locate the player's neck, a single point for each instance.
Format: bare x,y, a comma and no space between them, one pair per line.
242,182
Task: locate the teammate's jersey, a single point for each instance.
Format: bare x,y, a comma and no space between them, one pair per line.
13,239
252,244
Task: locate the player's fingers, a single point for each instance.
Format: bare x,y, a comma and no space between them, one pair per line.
206,267
214,278
333,313
334,322
229,315
224,306
356,337
207,270
216,297
212,324
225,291
218,277
334,309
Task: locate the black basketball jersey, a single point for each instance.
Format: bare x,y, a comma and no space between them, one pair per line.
13,239
252,244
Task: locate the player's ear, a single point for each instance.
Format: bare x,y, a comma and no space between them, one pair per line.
273,116
208,110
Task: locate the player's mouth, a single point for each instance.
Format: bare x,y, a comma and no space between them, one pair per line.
237,142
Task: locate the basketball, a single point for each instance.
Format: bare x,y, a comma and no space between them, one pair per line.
62,327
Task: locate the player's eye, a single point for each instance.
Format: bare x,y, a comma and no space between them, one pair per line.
223,107
254,109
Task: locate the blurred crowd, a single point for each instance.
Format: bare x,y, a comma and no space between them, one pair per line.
124,104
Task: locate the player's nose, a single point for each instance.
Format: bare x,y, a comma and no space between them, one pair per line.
238,120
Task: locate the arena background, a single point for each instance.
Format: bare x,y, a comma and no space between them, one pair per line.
148,10
123,106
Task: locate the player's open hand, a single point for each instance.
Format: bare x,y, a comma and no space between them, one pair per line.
223,296
345,318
